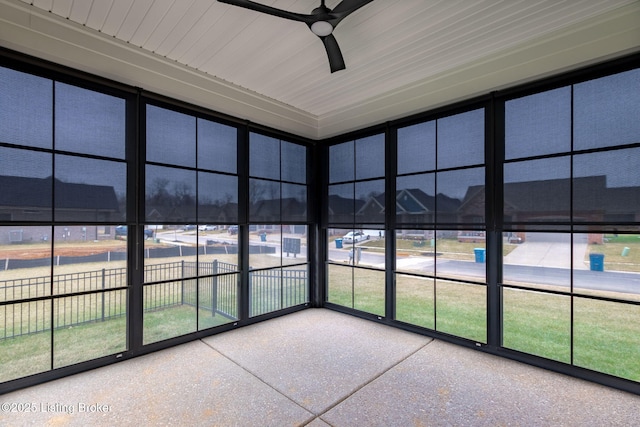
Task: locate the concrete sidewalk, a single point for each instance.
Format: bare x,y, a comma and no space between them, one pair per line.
320,368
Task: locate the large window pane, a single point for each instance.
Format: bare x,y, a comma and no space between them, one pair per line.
275,289
266,292
87,258
460,196
461,140
265,201
342,162
461,254
26,185
294,162
338,249
538,124
368,291
606,111
370,197
26,109
340,285
25,271
461,310
416,199
541,260
217,198
170,195
218,244
417,148
607,264
264,156
89,190
366,247
89,326
265,244
82,263
295,285
537,323
294,202
537,190
89,122
370,157
218,299
294,244
167,311
217,146
171,137
173,253
607,337
606,186
25,339
415,300
171,257
342,206
416,251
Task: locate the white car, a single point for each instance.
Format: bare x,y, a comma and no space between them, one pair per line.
354,237
208,227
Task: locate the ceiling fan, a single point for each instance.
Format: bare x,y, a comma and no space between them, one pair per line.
321,21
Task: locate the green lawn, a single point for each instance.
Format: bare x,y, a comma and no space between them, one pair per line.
613,250
606,334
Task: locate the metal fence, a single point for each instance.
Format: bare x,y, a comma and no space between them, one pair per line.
211,286
272,290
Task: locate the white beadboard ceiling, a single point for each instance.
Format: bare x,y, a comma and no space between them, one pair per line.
402,56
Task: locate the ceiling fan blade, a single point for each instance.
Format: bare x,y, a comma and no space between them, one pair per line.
336,61
346,7
258,7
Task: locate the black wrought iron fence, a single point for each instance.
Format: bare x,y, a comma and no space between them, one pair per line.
272,290
210,286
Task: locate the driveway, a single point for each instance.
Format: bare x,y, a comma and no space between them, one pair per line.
550,250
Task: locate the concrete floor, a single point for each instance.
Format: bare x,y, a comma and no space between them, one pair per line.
320,368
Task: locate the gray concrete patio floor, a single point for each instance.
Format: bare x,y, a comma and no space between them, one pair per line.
319,368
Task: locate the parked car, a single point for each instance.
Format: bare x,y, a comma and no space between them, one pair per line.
208,227
354,237
189,227
233,229
121,231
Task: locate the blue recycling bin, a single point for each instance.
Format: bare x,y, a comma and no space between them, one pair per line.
480,254
596,262
263,237
339,243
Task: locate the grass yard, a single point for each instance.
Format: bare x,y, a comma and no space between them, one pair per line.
606,334
613,250
444,248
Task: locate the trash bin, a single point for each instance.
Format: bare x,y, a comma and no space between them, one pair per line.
480,254
263,237
339,243
596,262
625,251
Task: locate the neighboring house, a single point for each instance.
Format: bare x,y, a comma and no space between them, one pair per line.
26,199
413,206
342,209
549,201
270,210
186,214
